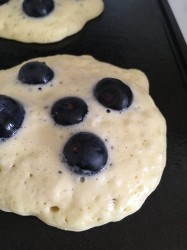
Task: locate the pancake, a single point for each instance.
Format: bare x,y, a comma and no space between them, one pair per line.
82,141
30,21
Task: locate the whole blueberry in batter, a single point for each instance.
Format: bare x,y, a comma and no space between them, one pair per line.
38,8
113,94
85,153
69,111
34,73
11,116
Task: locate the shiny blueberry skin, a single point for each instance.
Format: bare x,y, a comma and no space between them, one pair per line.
34,73
113,94
11,116
3,1
38,8
69,111
85,154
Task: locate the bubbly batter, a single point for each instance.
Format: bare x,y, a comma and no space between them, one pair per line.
35,179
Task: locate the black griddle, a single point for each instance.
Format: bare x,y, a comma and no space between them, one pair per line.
139,34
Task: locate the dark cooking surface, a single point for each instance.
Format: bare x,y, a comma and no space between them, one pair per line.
129,34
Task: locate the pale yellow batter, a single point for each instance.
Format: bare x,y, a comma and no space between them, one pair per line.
67,18
33,178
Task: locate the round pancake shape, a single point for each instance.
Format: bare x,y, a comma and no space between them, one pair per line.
64,18
35,178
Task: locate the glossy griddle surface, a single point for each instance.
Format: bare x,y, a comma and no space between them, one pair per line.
130,34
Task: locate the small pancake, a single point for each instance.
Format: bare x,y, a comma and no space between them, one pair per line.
66,18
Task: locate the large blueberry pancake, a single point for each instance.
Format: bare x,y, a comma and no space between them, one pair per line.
81,141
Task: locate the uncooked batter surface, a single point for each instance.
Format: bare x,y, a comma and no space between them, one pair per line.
34,177
66,18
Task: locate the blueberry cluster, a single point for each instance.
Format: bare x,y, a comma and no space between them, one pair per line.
84,153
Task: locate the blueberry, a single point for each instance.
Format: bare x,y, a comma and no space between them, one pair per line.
11,116
3,1
85,153
38,8
35,73
69,111
113,93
